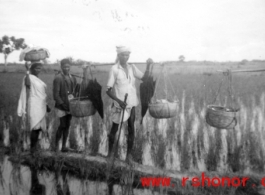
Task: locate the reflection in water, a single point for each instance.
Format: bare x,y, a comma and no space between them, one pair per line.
36,187
62,187
16,179
22,180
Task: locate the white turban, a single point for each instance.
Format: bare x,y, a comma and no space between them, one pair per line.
121,49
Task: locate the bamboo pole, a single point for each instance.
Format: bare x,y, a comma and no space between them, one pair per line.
243,70
110,64
27,125
113,63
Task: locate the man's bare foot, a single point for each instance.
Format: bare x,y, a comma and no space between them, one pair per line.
64,149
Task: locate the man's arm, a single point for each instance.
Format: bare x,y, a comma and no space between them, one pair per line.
75,85
139,74
111,82
149,62
56,91
114,97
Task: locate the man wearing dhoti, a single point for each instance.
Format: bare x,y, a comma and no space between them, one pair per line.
37,106
63,89
122,77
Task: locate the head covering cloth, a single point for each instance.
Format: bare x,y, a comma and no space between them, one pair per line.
121,49
65,61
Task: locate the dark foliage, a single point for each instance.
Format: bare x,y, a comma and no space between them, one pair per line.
147,89
92,91
18,43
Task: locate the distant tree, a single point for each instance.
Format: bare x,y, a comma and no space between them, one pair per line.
9,44
79,62
243,62
181,58
46,61
256,60
57,62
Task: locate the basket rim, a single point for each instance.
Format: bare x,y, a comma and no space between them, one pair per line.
231,110
35,51
162,103
79,100
35,55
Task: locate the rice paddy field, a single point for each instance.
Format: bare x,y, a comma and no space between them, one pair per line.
183,143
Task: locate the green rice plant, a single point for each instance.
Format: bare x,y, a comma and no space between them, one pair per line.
187,138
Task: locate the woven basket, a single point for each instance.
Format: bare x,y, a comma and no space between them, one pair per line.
161,110
81,108
221,117
35,55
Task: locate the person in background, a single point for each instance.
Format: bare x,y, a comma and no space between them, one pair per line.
122,77
63,89
37,103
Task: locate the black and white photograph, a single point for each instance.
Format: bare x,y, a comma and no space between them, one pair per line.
132,97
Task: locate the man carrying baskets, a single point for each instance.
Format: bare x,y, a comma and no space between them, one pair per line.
121,80
63,88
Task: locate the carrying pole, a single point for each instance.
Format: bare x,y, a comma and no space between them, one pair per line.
243,70
27,126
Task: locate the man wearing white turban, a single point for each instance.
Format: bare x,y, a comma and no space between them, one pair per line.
121,49
121,80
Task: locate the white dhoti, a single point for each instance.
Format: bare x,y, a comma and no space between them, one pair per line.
61,113
116,114
37,106
123,83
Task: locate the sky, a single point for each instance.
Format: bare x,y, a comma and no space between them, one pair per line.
214,30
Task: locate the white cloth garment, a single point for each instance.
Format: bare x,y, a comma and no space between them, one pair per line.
37,106
122,84
115,114
61,113
121,49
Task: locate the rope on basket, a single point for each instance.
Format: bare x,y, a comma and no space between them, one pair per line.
82,120
80,88
165,78
231,99
218,92
226,117
165,75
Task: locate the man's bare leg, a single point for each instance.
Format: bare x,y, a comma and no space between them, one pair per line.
111,136
131,131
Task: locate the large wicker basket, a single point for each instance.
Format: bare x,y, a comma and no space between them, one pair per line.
161,110
36,55
221,117
81,108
